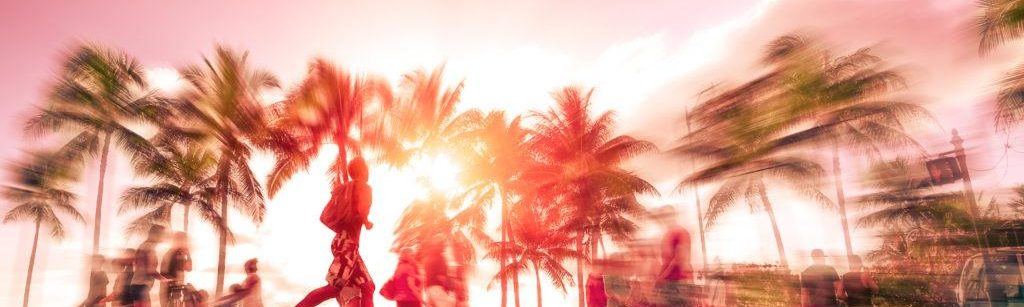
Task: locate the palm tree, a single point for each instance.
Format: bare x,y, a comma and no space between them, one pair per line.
586,158
98,94
744,135
423,120
326,107
999,21
536,240
435,220
846,100
39,192
221,109
182,175
495,152
924,225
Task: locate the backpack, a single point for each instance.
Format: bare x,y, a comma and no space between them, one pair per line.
339,211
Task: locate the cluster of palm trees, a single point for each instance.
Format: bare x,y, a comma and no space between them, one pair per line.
194,148
558,182
757,134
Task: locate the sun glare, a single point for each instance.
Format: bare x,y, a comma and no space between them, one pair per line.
164,79
437,172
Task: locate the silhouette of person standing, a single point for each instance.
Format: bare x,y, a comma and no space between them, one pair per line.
819,283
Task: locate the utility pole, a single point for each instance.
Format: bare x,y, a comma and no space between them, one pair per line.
696,201
972,203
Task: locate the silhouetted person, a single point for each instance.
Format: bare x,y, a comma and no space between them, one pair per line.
676,273
407,283
596,296
145,264
819,283
175,263
119,294
860,286
98,282
439,291
346,214
247,294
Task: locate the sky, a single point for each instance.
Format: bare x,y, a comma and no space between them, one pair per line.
647,61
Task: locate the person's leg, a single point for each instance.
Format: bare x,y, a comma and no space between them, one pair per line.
319,295
366,297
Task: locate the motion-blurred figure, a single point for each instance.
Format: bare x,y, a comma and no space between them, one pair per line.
144,264
439,291
676,275
249,293
860,286
98,282
719,290
346,214
119,293
819,283
405,286
596,295
175,263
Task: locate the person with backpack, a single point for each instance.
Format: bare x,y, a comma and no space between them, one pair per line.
346,214
405,286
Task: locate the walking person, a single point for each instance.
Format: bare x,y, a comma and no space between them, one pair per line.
819,283
98,282
675,278
406,286
346,214
175,263
144,264
439,291
860,286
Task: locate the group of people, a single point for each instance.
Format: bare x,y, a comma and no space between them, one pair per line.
139,269
822,286
662,277
658,274
422,277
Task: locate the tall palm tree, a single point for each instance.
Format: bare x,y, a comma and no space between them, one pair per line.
97,96
330,105
39,192
496,151
222,109
744,135
182,175
847,101
588,173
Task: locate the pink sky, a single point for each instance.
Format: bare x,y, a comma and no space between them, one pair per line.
646,60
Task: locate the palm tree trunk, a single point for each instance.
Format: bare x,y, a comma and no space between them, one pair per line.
775,227
837,173
515,286
31,264
579,270
99,195
222,253
185,218
504,247
536,275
